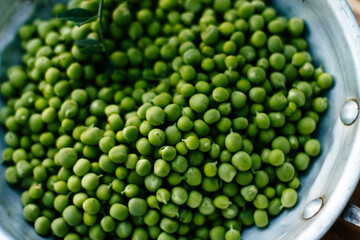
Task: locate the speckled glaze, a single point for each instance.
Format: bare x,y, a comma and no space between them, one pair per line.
334,40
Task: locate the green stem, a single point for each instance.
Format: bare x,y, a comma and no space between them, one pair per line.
102,32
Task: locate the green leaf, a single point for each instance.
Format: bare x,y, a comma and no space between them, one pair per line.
78,15
93,19
90,46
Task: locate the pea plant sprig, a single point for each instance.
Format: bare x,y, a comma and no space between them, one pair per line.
83,16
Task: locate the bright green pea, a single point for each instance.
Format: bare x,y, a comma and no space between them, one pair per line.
242,161
226,172
288,198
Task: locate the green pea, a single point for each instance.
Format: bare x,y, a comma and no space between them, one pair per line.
233,142
249,192
256,75
207,207
288,198
118,154
156,137
226,172
232,234
187,72
222,202
59,227
193,176
179,195
285,172
72,215
124,229
258,39
319,104
276,157
161,168
306,126
242,161
220,94
155,115
260,218
119,211
212,116
312,147
66,157
143,167
42,226
90,181
324,80
137,207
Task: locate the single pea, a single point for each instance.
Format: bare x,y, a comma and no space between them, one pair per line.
232,234
72,215
90,181
168,153
261,179
249,192
262,120
42,226
307,70
276,157
212,116
207,207
276,26
210,169
242,161
295,26
288,198
233,142
312,147
324,80
130,133
275,207
277,61
285,172
319,104
118,154
156,137
91,206
261,218
173,112
137,207
161,168
143,167
119,211
66,157
179,195
220,94
155,115
226,172
222,202
59,227
256,75
31,212
258,39
187,72
192,142
306,126
193,176
153,182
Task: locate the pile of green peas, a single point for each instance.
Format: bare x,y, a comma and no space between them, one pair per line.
202,128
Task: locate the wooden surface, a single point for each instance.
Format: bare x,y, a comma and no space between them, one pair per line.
342,230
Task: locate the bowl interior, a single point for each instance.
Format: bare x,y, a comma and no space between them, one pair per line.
332,34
